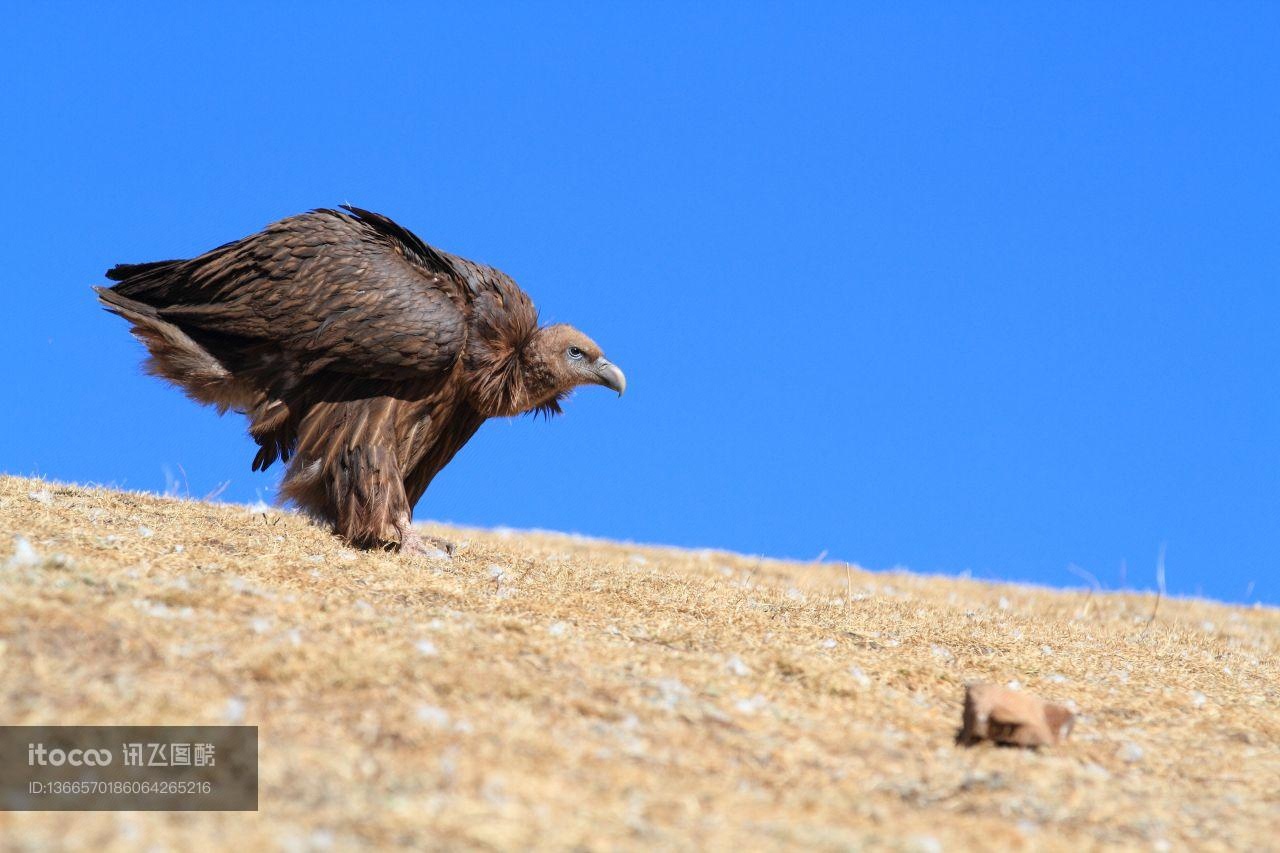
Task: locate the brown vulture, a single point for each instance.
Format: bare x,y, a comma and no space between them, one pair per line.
363,357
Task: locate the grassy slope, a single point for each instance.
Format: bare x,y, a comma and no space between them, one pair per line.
554,690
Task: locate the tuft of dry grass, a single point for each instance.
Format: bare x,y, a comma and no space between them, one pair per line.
552,691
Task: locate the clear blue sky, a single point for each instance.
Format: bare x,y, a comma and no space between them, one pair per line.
947,286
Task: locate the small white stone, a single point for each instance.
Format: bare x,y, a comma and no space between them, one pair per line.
437,718
233,711
145,532
859,677
1198,699
321,839
558,629
160,610
736,666
426,648
1129,752
24,556
671,692
829,643
1096,771
924,844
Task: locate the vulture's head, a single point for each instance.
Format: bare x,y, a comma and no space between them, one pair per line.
536,370
564,358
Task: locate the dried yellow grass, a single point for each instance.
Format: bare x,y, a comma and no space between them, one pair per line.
551,691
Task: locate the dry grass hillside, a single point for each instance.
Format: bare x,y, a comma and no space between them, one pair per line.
551,691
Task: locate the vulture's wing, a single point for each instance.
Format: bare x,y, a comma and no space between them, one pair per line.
353,293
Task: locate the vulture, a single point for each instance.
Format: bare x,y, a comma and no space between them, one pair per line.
363,358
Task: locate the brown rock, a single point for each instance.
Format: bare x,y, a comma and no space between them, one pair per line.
1005,716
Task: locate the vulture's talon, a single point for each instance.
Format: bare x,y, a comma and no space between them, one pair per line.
431,547
449,548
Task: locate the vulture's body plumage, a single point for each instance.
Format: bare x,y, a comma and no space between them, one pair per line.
363,357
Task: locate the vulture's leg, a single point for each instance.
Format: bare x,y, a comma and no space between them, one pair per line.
364,498
379,514
367,495
347,472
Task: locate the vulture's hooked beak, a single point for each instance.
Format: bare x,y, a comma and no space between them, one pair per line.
610,375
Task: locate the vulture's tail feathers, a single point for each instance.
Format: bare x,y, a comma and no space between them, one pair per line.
124,272
185,362
175,356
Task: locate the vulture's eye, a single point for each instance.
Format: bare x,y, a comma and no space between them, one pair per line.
575,353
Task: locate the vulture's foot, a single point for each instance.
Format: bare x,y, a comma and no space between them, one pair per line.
450,549
417,545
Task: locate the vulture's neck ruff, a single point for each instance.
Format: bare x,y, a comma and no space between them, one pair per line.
510,372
